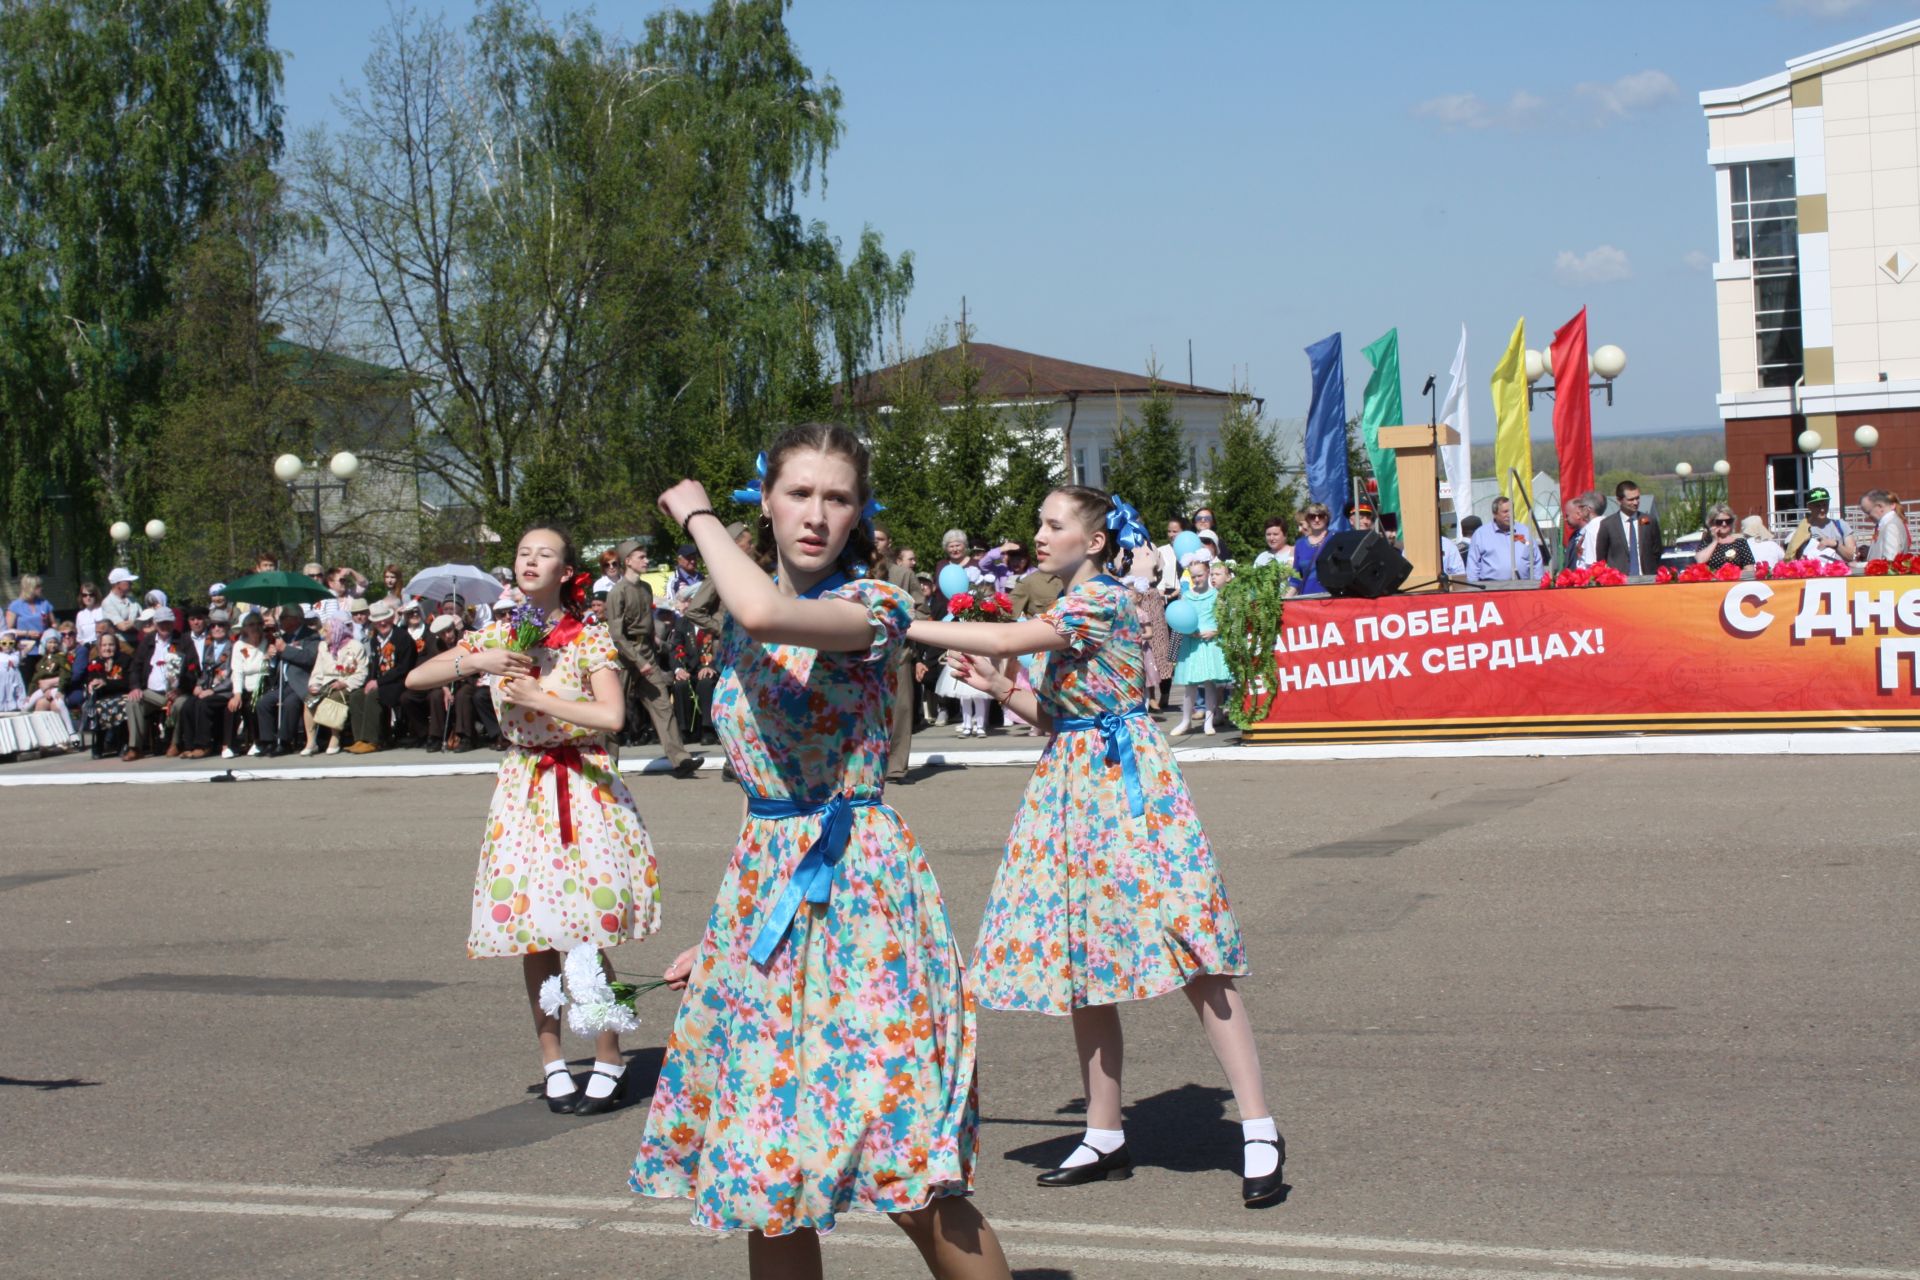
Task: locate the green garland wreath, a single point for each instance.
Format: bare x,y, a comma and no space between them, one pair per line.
1249,617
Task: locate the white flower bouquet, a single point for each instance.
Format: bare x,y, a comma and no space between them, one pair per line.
594,1002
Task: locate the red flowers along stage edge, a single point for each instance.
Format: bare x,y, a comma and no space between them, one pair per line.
1602,575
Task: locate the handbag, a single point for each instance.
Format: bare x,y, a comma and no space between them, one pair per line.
332,711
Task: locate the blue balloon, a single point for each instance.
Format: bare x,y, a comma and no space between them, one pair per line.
953,581
1182,617
1185,543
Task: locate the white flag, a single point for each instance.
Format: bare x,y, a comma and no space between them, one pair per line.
1458,460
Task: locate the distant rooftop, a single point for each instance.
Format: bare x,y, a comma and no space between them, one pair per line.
1009,374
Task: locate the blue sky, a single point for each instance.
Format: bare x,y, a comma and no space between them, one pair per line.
1104,180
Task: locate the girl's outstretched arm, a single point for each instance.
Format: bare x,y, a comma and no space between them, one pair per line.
990,639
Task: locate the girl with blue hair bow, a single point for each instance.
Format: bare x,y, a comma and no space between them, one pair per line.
1109,891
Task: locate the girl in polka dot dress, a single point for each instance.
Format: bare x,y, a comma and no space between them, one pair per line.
565,858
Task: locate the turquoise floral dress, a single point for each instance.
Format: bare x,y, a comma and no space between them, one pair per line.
1093,903
840,1072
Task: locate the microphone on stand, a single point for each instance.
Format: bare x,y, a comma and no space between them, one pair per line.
1428,389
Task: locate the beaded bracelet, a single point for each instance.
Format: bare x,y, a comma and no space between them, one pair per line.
456,664
699,511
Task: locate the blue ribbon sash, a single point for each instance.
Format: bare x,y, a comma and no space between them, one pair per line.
1113,727
813,879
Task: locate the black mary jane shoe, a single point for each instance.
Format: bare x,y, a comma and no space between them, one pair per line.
564,1106
1111,1167
1269,1187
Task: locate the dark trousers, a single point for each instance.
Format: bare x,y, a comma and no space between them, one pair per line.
415,713
367,717
202,723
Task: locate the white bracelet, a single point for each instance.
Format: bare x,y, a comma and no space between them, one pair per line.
456,664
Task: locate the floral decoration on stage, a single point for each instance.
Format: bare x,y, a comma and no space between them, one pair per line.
594,1002
981,603
1604,575
1897,565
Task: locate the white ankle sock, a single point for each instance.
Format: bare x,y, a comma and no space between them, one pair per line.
1104,1141
605,1079
1259,1159
559,1085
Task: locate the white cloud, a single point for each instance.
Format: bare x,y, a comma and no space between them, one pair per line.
1599,265
1825,9
1471,111
1598,103
1697,260
1633,92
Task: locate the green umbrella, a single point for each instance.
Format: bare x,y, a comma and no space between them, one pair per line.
276,588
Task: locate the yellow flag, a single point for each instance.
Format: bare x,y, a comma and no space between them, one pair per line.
1512,447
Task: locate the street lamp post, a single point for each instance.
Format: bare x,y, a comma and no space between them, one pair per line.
289,467
1607,363
122,534
1698,491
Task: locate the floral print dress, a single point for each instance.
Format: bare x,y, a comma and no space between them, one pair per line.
536,890
840,1073
1093,905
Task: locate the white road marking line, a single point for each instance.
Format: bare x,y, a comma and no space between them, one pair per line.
214,1188
256,1209
1147,1236
520,1221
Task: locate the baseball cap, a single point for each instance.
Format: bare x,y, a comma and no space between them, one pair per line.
122,575
1817,497
627,547
688,550
217,589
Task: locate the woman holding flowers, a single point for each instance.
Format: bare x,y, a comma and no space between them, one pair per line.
1109,891
823,1056
565,859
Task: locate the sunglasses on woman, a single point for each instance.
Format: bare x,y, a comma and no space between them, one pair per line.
1721,524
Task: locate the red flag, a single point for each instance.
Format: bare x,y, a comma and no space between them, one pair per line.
1572,408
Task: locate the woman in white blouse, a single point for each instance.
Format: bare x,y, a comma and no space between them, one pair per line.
341,666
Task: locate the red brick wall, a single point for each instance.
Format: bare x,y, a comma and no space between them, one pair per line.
1895,463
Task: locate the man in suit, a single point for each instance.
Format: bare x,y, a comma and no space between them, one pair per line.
648,675
290,659
390,655
887,568
1629,541
152,695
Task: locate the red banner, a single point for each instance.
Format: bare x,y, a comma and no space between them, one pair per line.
1682,657
1572,407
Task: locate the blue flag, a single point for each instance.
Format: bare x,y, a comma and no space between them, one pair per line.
1327,432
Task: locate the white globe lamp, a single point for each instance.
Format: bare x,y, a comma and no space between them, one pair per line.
1866,435
120,531
1683,469
1722,468
1537,365
288,467
1809,440
343,465
156,529
1609,362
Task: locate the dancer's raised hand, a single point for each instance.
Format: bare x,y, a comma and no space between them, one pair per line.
683,499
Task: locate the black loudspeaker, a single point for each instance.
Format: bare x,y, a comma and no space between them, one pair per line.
1359,563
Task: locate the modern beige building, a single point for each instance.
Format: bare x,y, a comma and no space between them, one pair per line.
1817,277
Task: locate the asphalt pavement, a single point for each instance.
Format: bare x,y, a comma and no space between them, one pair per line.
1519,1018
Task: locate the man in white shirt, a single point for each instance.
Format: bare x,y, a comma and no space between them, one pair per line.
1889,525
1502,551
120,610
1583,518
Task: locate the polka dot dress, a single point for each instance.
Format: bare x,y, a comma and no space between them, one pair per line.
535,891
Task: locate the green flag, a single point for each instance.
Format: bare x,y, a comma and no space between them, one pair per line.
1381,408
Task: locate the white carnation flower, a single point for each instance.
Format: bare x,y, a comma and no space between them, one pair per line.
553,994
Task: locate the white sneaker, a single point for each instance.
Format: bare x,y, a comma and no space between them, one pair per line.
940,720
226,753
254,750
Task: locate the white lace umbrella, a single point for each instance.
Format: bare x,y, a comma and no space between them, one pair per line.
471,583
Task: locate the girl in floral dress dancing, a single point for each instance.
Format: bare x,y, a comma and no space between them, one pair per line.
565,859
823,1056
1109,890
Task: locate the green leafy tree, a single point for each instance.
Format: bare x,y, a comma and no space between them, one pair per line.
970,450
1148,466
902,442
1245,485
1034,468
118,119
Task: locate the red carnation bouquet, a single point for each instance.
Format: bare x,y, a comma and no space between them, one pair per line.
981,603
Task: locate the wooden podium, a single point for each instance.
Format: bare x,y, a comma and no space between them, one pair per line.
1417,459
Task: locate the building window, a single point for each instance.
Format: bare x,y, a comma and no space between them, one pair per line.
1787,485
1105,453
1193,466
1766,232
1080,467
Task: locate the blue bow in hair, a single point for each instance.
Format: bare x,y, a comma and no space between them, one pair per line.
1124,521
873,508
751,493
